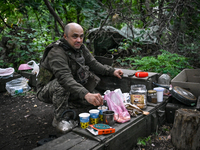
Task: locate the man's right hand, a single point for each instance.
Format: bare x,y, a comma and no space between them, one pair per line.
94,99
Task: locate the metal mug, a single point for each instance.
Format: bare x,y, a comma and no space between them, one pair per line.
108,117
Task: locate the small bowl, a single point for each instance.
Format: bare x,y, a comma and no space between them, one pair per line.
24,67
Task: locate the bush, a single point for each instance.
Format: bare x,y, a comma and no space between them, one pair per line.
169,62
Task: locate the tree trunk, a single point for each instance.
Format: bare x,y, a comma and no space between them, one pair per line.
186,129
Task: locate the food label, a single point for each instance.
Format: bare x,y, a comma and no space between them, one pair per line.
137,99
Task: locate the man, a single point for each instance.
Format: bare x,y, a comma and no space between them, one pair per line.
64,77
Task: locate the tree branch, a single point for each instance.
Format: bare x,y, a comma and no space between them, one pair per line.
51,10
5,22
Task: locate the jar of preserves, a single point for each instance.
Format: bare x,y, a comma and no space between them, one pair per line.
152,96
138,95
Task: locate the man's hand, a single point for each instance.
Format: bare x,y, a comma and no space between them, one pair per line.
94,99
118,73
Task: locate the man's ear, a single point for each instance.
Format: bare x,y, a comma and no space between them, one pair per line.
65,36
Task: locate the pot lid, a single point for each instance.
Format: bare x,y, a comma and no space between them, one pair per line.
186,94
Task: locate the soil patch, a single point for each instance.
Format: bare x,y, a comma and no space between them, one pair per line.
24,121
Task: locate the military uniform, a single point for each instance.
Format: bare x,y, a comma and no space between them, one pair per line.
59,81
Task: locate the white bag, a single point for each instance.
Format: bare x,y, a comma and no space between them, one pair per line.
34,66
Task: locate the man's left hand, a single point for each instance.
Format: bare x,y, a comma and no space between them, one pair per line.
118,73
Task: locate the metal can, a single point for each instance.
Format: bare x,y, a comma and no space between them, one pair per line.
138,95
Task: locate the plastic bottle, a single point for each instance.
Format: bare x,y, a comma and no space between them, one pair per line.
165,80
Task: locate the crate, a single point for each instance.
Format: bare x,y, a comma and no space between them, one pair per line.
112,83
188,79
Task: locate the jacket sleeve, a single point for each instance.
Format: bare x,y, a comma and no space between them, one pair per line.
96,66
58,63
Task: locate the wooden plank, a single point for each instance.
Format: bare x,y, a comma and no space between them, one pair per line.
68,141
127,138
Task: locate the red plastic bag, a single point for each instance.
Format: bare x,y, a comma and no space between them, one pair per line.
115,103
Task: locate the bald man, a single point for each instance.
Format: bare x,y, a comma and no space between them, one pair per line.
63,79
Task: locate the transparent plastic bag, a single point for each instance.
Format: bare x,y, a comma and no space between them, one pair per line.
16,86
115,103
165,80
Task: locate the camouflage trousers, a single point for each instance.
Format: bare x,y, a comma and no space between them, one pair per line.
62,100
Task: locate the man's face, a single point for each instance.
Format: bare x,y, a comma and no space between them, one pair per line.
75,37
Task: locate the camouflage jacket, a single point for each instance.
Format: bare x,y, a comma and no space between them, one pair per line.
56,63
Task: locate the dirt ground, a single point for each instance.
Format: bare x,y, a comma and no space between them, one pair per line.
25,121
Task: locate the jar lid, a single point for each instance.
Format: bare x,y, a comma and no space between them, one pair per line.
151,91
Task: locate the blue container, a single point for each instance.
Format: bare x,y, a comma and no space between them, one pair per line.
84,117
94,113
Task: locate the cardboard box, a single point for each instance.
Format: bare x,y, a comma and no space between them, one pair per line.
188,79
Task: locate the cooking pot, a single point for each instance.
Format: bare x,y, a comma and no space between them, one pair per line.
180,94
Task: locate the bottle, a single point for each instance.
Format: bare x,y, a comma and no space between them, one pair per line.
138,94
165,80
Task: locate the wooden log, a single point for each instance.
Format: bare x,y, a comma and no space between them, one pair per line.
185,133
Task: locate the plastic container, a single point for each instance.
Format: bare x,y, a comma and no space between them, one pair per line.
17,86
101,110
165,80
138,95
159,91
94,116
84,120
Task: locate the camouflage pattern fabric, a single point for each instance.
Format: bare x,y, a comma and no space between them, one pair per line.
54,93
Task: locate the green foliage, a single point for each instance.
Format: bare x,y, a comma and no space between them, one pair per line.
143,141
28,46
182,29
128,45
172,63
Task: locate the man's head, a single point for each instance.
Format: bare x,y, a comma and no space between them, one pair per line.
74,34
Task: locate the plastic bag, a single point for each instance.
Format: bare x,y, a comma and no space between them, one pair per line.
16,86
115,103
34,66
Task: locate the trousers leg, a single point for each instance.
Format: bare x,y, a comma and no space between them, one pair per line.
55,94
61,99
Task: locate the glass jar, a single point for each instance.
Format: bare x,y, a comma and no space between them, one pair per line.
138,95
152,96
